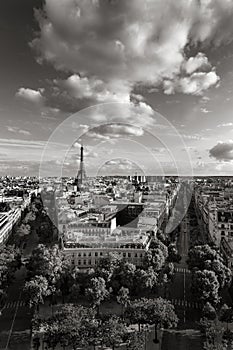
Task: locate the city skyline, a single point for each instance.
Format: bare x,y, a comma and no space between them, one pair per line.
150,82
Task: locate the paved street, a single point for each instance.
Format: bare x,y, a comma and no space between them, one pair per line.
180,288
189,339
16,316
187,308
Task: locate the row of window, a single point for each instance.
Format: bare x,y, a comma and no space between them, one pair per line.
90,254
129,255
90,262
223,226
84,262
99,254
229,233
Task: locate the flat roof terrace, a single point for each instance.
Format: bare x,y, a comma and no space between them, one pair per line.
106,240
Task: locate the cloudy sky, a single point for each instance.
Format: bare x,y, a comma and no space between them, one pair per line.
146,86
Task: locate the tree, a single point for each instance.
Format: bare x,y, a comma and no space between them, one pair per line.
41,261
10,261
198,255
123,298
209,311
72,326
67,280
159,312
154,258
161,236
75,292
30,217
107,265
222,272
36,290
205,286
45,228
50,263
136,312
173,255
146,279
119,273
213,332
113,331
209,273
23,230
157,244
97,291
169,269
123,276
228,338
136,340
226,314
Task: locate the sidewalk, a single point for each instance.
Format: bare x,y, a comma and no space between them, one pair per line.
15,321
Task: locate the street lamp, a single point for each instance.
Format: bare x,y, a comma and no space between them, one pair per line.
146,329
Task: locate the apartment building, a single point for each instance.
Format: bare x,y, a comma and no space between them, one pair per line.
215,208
226,249
7,221
90,244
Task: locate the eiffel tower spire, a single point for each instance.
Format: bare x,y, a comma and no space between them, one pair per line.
81,172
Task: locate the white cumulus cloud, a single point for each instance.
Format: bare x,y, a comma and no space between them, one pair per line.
200,61
95,89
195,84
139,42
30,95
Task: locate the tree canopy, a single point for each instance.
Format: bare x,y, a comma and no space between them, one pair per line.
157,311
36,290
205,286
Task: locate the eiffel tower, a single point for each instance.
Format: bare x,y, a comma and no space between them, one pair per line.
81,176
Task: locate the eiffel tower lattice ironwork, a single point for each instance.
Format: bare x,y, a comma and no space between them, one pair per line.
81,176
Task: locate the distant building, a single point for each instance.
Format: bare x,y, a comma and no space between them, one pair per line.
136,179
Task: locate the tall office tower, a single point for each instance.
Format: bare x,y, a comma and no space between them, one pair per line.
81,172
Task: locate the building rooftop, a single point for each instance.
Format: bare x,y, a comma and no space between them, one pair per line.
105,238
